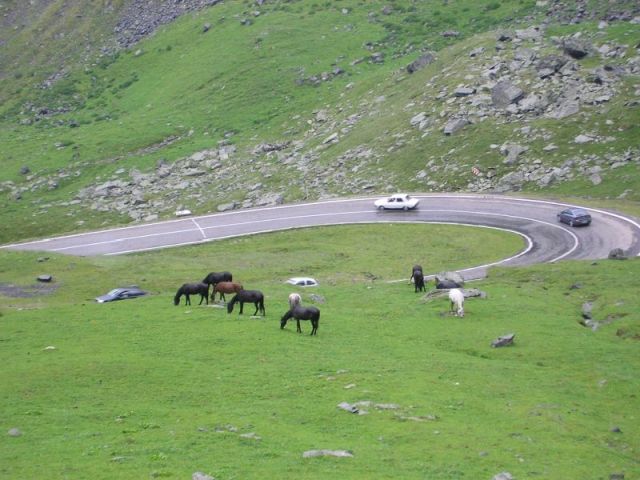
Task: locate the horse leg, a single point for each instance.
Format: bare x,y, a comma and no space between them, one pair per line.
187,300
222,297
298,329
314,327
241,306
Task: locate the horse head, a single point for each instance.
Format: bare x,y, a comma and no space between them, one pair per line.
231,303
285,317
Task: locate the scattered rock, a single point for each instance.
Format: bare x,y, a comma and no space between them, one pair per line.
464,91
512,152
45,278
575,48
201,476
351,408
317,298
587,308
580,139
327,453
421,62
503,341
617,254
503,476
454,125
505,36
505,93
454,277
14,432
24,170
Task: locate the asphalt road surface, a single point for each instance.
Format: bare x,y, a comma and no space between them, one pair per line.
546,239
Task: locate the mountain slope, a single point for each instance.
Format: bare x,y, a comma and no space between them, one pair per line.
236,105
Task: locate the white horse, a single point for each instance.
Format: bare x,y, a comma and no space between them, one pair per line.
294,300
457,300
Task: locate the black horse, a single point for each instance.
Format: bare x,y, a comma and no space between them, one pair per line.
191,289
216,277
302,313
418,281
253,296
416,268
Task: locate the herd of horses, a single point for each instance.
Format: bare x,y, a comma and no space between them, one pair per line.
222,283
456,297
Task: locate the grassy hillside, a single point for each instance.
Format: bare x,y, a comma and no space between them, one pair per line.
289,74
143,389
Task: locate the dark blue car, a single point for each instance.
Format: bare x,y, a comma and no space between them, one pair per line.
122,293
575,217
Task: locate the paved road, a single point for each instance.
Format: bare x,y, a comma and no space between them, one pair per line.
546,240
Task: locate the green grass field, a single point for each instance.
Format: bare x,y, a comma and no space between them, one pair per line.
143,389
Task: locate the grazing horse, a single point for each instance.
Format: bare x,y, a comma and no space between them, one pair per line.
294,299
418,280
225,287
414,270
217,277
302,313
252,296
457,300
191,289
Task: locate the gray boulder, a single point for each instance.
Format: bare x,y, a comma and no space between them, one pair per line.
576,48
201,476
512,152
512,181
452,126
505,93
503,341
503,476
565,109
452,276
464,91
421,62
326,453
550,65
617,254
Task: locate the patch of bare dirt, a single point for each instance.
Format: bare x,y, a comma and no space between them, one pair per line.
26,291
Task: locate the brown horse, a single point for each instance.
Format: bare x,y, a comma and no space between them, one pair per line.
225,287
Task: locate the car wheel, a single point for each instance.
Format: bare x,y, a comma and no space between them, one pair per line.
405,208
571,223
381,207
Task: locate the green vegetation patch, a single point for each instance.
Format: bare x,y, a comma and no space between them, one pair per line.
143,389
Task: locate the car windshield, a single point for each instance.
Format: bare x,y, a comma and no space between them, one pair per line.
579,213
115,291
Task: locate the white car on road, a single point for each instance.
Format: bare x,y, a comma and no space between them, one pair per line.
397,201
